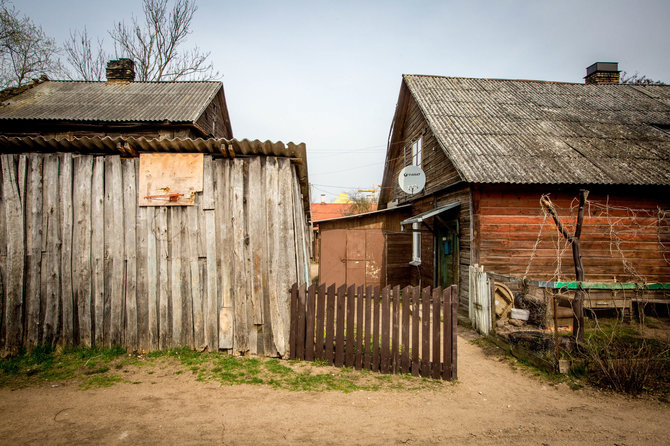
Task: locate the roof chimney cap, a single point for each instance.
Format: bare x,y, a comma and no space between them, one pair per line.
120,70
606,67
602,73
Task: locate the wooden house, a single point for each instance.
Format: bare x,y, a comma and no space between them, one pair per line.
490,148
130,216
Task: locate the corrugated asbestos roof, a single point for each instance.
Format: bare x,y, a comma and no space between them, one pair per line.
111,101
131,146
511,131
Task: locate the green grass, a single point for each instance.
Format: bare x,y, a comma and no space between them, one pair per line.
91,368
99,381
43,364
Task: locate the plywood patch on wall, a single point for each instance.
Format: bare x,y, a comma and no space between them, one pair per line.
170,179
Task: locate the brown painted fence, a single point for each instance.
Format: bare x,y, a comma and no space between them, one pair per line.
389,330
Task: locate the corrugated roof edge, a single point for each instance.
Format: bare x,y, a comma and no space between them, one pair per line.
366,214
131,146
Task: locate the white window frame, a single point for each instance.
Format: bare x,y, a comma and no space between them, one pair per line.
417,152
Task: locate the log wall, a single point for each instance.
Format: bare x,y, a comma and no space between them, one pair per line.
626,242
82,264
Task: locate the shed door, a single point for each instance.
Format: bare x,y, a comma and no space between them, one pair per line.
352,256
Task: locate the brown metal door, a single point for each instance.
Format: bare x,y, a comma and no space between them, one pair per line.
332,267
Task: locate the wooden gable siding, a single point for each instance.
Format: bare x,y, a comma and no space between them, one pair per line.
214,121
424,275
440,172
624,243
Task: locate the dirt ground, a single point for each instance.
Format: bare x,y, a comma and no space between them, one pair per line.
492,403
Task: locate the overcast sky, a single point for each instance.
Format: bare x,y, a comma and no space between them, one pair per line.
328,73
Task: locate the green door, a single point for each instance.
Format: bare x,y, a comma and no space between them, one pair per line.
447,252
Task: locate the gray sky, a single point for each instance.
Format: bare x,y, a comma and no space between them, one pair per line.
328,73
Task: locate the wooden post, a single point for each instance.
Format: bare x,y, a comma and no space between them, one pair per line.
578,303
492,305
554,303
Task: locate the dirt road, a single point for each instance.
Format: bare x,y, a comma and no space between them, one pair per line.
491,404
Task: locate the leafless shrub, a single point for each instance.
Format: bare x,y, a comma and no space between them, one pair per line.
617,359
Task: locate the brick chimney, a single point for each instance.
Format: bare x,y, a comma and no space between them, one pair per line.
121,70
602,73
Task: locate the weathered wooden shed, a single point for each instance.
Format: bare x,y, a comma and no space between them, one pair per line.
129,215
491,148
83,263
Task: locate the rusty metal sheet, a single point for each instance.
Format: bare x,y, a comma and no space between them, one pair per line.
170,179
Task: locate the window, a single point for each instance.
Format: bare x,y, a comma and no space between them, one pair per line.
417,152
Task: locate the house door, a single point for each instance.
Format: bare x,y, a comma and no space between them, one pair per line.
446,232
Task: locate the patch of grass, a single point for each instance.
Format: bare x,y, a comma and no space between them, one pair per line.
94,367
44,364
320,363
273,366
103,369
100,381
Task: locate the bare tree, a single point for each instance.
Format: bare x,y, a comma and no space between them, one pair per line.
359,204
86,62
638,79
574,240
156,44
25,49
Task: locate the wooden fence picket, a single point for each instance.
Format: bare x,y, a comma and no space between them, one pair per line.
330,324
339,337
349,346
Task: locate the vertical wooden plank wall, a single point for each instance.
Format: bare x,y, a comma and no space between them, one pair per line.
81,263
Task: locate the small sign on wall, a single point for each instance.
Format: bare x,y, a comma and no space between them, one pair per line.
170,179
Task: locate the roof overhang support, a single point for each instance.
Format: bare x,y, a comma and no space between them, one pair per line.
420,218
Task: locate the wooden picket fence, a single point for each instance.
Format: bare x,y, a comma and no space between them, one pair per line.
388,331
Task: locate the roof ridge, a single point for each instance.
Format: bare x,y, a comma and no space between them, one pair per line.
491,79
79,81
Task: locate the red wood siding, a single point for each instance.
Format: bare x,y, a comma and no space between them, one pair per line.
509,219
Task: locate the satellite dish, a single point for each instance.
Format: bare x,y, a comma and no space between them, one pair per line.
412,180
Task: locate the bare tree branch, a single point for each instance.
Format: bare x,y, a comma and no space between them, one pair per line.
25,50
156,43
637,79
87,63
